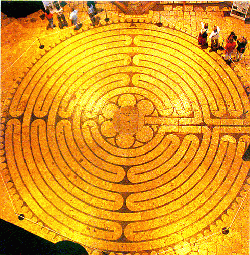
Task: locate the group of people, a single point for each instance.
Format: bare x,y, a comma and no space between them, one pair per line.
214,36
92,11
230,42
202,38
61,18
231,45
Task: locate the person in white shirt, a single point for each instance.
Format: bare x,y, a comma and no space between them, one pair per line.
73,18
214,36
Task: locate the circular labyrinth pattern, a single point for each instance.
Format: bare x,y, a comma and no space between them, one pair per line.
126,138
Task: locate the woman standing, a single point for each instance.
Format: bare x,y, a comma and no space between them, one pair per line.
49,17
202,39
229,48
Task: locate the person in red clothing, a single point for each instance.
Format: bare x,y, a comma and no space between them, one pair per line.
202,39
49,17
229,48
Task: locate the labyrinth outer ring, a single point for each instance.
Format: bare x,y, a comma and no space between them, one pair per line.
146,194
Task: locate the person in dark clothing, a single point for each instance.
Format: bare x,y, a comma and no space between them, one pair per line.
92,11
89,3
60,16
231,37
202,39
241,47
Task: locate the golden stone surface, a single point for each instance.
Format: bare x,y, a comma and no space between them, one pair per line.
128,139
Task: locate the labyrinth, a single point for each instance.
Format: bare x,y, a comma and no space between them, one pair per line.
126,138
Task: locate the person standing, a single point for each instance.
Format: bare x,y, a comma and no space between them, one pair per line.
202,39
241,47
214,36
229,48
73,17
92,7
49,17
91,12
232,36
60,16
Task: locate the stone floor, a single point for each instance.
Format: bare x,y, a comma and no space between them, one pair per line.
126,137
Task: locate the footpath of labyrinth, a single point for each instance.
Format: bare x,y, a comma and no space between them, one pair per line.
127,138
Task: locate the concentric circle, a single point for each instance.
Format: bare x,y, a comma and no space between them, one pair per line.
127,138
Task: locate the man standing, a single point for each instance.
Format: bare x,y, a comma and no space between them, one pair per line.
92,11
214,36
60,16
73,18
